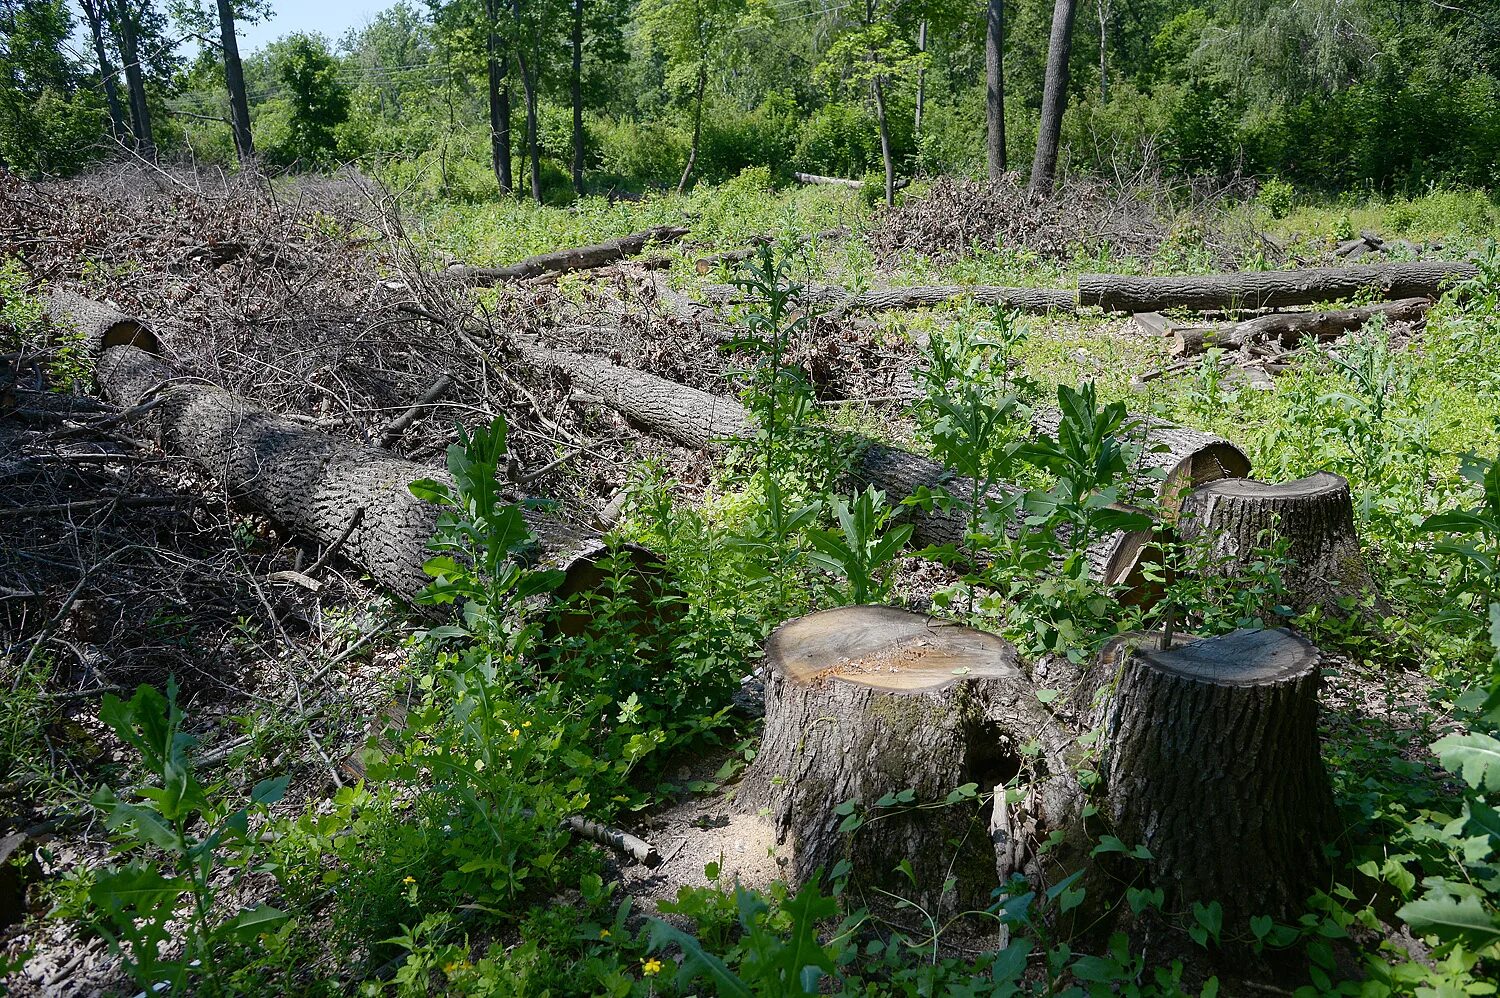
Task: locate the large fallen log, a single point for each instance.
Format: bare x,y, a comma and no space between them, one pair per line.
1037,300
892,711
1285,330
97,326
1270,288
576,258
323,488
814,178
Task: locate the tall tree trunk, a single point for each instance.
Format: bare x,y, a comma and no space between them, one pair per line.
577,92
687,169
135,81
528,94
1103,6
921,79
994,87
497,68
106,71
1054,95
885,143
234,78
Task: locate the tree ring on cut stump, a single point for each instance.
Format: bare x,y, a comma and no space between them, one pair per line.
865,702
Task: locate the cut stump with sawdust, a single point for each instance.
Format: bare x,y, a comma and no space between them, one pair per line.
1213,765
876,704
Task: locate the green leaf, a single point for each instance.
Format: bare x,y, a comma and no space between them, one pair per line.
1475,757
270,791
696,962
247,925
1260,925
1451,918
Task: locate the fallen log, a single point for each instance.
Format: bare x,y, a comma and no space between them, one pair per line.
1285,330
892,711
1213,765
1270,288
323,488
1035,300
97,326
813,178
1313,517
576,258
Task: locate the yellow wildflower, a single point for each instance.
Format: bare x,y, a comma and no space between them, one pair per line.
651,967
515,732
603,933
526,724
408,880
450,967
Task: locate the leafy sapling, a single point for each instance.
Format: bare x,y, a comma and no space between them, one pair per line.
861,550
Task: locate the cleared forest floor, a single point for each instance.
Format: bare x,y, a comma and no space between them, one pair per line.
122,564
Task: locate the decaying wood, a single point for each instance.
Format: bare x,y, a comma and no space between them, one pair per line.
813,178
1270,288
636,848
399,425
1037,300
1213,765
1312,517
864,702
1285,330
576,258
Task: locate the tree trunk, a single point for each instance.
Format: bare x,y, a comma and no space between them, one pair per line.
1037,300
1213,765
921,81
497,68
891,710
687,170
528,93
575,258
887,158
1286,330
95,17
135,81
576,88
1103,7
1054,97
994,87
234,78
1269,289
1313,517
97,326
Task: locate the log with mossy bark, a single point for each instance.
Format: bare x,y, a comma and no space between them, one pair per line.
575,258
1269,288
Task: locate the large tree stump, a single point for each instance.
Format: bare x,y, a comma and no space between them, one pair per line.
1238,519
867,701
1213,765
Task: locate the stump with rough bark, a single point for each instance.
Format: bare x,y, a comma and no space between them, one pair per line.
1213,765
1238,519
865,702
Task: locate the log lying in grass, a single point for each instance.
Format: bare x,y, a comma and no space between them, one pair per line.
1313,517
865,702
1037,300
1268,289
98,326
577,258
313,484
1285,330
1214,767
813,178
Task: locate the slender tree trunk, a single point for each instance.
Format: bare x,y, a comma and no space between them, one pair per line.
234,78
921,78
528,94
885,143
497,68
687,170
1054,95
577,88
1103,6
994,87
135,81
106,71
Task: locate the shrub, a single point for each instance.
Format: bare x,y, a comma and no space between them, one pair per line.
839,140
651,151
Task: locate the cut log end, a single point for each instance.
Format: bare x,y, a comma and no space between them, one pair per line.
887,649
1244,658
97,326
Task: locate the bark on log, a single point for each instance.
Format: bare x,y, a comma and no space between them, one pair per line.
1312,516
813,178
98,326
1285,330
1213,765
577,258
1268,289
864,702
1035,300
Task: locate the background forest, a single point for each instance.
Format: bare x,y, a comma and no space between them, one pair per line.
608,94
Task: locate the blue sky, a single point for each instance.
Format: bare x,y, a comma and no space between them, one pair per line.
329,17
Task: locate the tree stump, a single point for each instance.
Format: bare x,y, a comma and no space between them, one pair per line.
864,702
1313,516
1213,765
